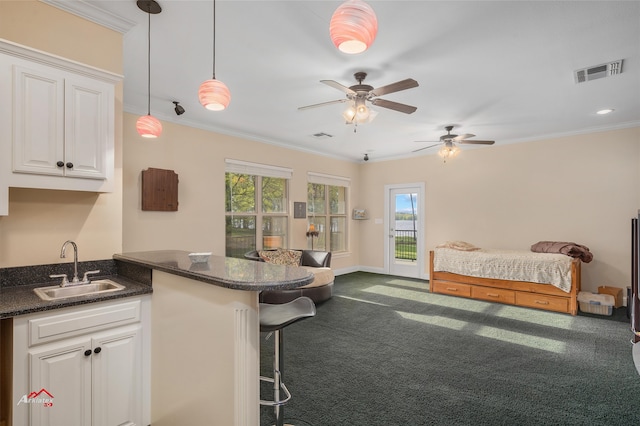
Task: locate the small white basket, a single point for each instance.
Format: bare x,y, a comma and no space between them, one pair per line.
594,303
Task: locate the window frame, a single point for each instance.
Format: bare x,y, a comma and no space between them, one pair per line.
259,172
327,181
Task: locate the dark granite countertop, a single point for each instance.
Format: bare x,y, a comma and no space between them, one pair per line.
21,299
236,274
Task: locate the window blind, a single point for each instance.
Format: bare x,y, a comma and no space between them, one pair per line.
313,177
256,169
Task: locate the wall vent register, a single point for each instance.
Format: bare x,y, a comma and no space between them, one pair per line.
598,71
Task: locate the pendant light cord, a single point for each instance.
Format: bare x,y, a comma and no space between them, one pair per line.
214,39
149,66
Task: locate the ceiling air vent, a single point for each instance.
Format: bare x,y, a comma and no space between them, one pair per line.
598,71
322,135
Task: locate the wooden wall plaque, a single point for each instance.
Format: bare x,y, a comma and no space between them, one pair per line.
159,190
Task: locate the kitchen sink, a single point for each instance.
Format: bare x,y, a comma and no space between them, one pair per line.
95,287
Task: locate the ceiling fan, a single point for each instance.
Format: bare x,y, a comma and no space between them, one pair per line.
360,93
448,141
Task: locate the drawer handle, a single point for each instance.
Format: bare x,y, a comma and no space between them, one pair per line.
493,295
451,289
542,302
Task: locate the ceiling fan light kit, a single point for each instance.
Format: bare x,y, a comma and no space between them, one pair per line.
357,96
213,94
353,27
148,126
449,149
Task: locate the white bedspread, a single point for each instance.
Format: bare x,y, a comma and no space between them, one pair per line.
542,268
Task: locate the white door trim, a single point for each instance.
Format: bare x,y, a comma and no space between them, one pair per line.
387,221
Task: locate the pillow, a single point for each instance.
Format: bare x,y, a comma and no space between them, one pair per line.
458,245
281,256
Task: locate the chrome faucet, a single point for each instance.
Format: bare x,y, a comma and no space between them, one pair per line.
75,280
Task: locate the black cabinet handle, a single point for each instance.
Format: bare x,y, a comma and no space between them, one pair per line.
60,164
69,165
87,352
97,350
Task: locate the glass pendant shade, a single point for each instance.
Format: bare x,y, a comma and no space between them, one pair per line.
214,95
349,114
353,27
362,113
148,126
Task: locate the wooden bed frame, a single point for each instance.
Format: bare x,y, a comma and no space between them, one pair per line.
520,293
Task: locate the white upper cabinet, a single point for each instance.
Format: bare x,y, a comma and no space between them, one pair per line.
57,123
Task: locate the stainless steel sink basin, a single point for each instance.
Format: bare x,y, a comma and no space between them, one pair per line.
95,287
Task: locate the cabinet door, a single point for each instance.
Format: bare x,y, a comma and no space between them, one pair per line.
64,371
38,121
87,120
117,378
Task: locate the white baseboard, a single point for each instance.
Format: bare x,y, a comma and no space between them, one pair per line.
371,269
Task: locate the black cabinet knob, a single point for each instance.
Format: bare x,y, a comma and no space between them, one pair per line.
87,352
97,350
69,165
60,164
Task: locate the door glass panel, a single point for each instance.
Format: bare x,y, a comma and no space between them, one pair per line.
406,227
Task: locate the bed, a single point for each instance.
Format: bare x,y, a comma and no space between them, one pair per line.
535,280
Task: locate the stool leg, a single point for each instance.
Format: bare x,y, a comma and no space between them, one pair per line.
278,365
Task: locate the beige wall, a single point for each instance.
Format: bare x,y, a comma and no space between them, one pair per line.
40,221
198,157
579,188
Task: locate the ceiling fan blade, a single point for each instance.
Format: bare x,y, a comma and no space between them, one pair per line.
471,142
407,109
394,87
426,147
338,86
338,101
461,137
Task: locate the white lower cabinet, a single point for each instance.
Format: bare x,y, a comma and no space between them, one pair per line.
88,370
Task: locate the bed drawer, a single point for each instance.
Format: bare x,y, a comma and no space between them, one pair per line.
494,294
542,301
455,289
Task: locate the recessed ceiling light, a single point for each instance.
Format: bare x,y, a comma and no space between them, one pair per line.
604,111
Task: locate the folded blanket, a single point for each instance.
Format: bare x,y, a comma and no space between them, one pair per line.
570,249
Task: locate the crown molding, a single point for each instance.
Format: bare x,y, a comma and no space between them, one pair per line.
94,14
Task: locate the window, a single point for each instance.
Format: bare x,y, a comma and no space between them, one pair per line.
256,206
327,211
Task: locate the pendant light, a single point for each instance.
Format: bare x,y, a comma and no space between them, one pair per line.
213,94
353,26
148,126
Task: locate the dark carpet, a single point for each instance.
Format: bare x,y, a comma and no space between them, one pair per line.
385,351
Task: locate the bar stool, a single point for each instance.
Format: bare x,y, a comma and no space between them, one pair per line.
273,319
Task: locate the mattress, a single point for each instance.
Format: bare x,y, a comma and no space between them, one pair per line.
513,265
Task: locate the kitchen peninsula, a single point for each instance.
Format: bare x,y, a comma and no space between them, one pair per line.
205,332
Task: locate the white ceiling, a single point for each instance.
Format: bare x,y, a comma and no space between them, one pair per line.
502,70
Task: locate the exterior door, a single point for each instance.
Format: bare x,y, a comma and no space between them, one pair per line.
405,228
